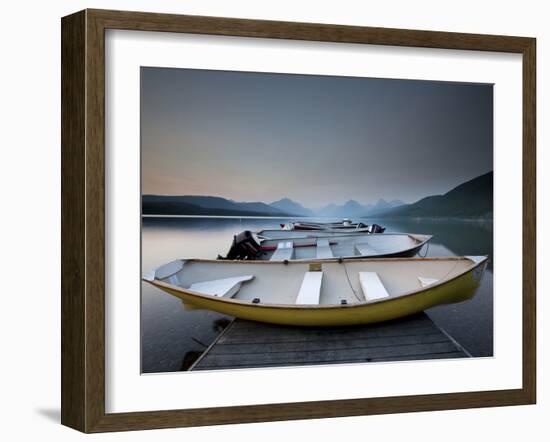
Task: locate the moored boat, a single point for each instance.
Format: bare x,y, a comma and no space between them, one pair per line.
322,245
291,234
344,225
283,231
320,293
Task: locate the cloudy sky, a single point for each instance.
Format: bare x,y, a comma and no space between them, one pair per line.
314,139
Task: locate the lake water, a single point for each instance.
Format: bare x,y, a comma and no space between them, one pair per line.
172,337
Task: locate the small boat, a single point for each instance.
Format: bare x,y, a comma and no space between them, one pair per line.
320,245
344,225
366,229
292,234
320,293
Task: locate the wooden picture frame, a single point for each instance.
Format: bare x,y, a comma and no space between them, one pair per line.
83,220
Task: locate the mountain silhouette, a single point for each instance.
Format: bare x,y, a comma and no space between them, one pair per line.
472,199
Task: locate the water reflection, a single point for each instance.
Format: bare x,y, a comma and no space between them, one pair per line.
189,359
168,331
460,238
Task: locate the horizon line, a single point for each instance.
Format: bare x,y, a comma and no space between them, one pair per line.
313,207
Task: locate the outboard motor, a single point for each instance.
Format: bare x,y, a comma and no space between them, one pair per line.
244,246
375,228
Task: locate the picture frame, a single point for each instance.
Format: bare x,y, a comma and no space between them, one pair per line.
83,220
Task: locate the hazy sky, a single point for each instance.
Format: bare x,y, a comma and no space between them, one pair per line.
314,139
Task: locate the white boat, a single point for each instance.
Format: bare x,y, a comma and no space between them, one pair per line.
291,234
344,225
246,245
320,293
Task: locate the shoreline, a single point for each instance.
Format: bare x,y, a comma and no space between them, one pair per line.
401,218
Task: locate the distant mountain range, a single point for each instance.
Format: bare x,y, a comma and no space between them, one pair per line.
354,209
205,205
289,206
473,199
217,206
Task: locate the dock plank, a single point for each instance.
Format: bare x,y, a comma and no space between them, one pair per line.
247,344
344,344
326,356
296,336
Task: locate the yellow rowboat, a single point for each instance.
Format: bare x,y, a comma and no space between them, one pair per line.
320,292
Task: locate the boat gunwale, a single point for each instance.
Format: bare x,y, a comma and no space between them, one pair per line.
475,265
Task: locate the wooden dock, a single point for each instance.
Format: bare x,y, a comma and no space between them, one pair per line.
246,344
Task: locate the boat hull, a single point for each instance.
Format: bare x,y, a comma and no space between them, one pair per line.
458,289
410,246
325,233
320,226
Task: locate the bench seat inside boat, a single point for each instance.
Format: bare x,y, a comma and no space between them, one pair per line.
372,286
226,287
284,251
310,290
424,282
323,249
365,249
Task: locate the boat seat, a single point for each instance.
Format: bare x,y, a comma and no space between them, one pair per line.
284,251
426,281
226,287
323,249
364,249
167,271
372,286
310,291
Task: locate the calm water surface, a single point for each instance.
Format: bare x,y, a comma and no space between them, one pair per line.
172,337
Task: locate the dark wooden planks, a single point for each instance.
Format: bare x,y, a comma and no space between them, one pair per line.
83,222
343,343
73,259
194,24
247,344
529,221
